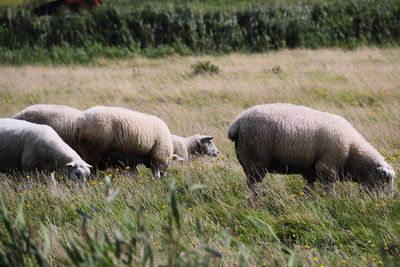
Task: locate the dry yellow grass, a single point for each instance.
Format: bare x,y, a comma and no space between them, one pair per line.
361,85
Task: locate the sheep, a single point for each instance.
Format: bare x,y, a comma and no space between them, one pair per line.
60,118
119,136
289,139
26,146
194,145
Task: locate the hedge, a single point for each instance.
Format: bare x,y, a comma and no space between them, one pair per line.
255,29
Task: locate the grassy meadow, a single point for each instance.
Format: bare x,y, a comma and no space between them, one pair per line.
220,223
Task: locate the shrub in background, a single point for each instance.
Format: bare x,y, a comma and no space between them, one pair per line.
254,29
205,67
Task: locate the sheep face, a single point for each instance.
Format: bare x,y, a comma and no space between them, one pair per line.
386,175
208,147
78,170
381,178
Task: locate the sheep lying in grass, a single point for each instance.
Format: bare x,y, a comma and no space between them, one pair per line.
285,138
194,145
26,147
60,118
118,136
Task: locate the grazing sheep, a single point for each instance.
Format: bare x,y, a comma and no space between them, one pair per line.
60,118
26,146
194,145
285,138
118,136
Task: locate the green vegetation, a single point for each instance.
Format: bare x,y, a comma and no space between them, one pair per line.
201,213
205,67
129,248
114,32
131,223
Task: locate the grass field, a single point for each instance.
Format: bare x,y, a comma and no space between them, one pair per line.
351,229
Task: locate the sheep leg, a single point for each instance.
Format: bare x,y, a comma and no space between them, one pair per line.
28,162
91,152
133,171
28,166
327,175
254,175
251,181
311,178
156,172
253,164
329,188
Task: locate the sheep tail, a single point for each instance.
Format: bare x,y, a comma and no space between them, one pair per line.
233,130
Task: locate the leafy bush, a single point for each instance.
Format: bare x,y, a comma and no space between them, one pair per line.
255,29
205,67
17,247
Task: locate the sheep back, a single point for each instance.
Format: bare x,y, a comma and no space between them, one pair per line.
27,146
121,134
180,147
60,118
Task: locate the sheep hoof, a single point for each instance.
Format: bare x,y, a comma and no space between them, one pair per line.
156,173
329,189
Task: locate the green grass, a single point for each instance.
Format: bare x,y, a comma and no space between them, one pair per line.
353,227
201,213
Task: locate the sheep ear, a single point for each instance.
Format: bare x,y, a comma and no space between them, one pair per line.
89,166
177,158
71,164
206,139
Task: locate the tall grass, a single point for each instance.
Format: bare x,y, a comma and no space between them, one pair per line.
132,246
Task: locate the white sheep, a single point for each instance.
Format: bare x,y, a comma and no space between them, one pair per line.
119,136
194,145
26,147
60,118
285,138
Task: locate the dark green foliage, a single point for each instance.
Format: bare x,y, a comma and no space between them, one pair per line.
256,28
121,249
17,247
205,67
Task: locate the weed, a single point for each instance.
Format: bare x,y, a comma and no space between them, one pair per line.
205,67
